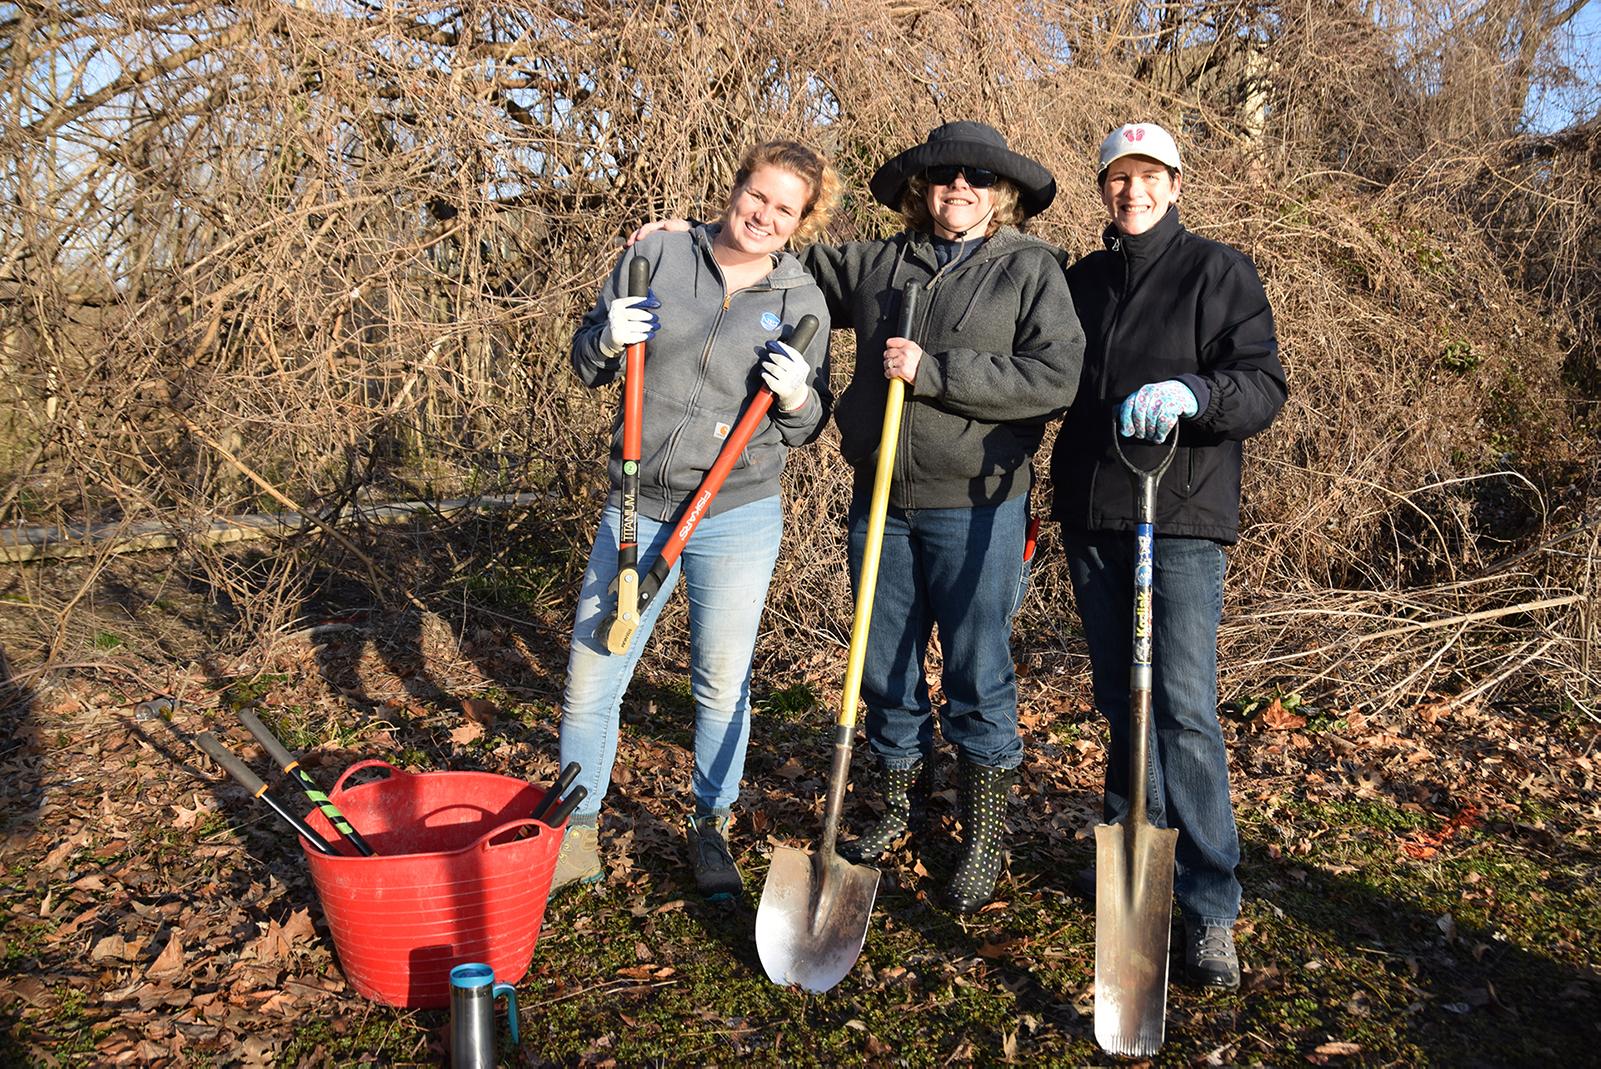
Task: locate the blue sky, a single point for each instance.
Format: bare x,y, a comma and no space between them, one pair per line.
1563,107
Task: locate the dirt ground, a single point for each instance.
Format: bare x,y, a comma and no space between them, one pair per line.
1421,887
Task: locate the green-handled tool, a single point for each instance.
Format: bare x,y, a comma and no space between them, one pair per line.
291,768
252,783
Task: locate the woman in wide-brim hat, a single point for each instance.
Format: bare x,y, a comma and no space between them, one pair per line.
993,357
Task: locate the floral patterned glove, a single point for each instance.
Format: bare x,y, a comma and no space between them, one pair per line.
1152,411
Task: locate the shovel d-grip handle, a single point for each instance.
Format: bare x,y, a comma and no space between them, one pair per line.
1145,481
627,583
617,631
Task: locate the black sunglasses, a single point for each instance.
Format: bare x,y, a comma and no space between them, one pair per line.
945,175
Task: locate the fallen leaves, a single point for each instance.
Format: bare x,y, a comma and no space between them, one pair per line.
1277,718
114,948
169,963
279,941
65,849
480,711
466,734
1335,1049
1422,845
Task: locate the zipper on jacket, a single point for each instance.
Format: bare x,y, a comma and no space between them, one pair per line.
903,450
670,444
1106,378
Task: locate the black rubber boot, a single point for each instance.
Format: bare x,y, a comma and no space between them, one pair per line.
905,813
983,795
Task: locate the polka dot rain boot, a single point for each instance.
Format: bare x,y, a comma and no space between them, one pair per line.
905,813
983,796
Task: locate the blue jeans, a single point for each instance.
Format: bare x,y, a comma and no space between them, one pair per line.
726,565
1189,768
960,569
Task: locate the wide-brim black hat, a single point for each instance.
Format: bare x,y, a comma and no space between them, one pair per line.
974,144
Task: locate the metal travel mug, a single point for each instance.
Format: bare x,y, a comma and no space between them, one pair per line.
472,1015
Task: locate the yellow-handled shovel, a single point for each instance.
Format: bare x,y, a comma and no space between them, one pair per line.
812,921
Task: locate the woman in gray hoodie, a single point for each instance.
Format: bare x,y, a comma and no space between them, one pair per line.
726,293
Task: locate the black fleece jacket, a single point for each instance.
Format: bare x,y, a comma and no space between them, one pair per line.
1002,359
1167,304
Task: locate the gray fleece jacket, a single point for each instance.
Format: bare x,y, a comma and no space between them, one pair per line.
703,367
1003,350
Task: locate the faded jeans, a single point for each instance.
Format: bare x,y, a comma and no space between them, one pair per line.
960,569
726,567
1189,770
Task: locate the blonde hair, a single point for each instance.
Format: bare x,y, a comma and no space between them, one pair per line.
822,182
914,205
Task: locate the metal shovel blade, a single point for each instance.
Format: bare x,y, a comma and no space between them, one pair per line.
812,921
1133,919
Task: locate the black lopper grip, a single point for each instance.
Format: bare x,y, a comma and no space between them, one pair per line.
269,742
234,767
804,332
909,298
563,781
559,815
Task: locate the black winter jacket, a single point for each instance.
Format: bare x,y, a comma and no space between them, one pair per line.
1167,304
1002,357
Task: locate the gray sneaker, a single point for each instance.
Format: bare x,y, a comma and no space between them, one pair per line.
716,876
1210,959
579,859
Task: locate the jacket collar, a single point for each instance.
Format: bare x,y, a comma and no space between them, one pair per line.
787,272
1005,240
1140,249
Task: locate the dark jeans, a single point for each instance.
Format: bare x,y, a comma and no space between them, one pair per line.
960,569
1189,774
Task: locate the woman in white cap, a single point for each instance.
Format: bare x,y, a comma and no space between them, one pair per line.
994,356
1178,330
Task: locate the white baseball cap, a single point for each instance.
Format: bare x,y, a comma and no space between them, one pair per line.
1139,139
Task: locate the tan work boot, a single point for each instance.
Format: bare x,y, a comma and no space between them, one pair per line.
579,859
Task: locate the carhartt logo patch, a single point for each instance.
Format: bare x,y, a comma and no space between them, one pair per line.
722,431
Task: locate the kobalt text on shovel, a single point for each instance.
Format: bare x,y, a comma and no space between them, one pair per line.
812,921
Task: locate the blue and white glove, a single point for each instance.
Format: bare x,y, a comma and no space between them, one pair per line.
787,374
629,320
1152,411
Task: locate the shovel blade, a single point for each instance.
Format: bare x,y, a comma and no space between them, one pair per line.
1133,919
813,917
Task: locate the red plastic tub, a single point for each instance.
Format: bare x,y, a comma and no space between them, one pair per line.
450,881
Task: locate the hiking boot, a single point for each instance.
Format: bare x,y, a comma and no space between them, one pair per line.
905,813
579,859
1082,882
716,876
983,796
1209,956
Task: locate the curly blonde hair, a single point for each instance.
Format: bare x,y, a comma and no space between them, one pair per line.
914,205
822,182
